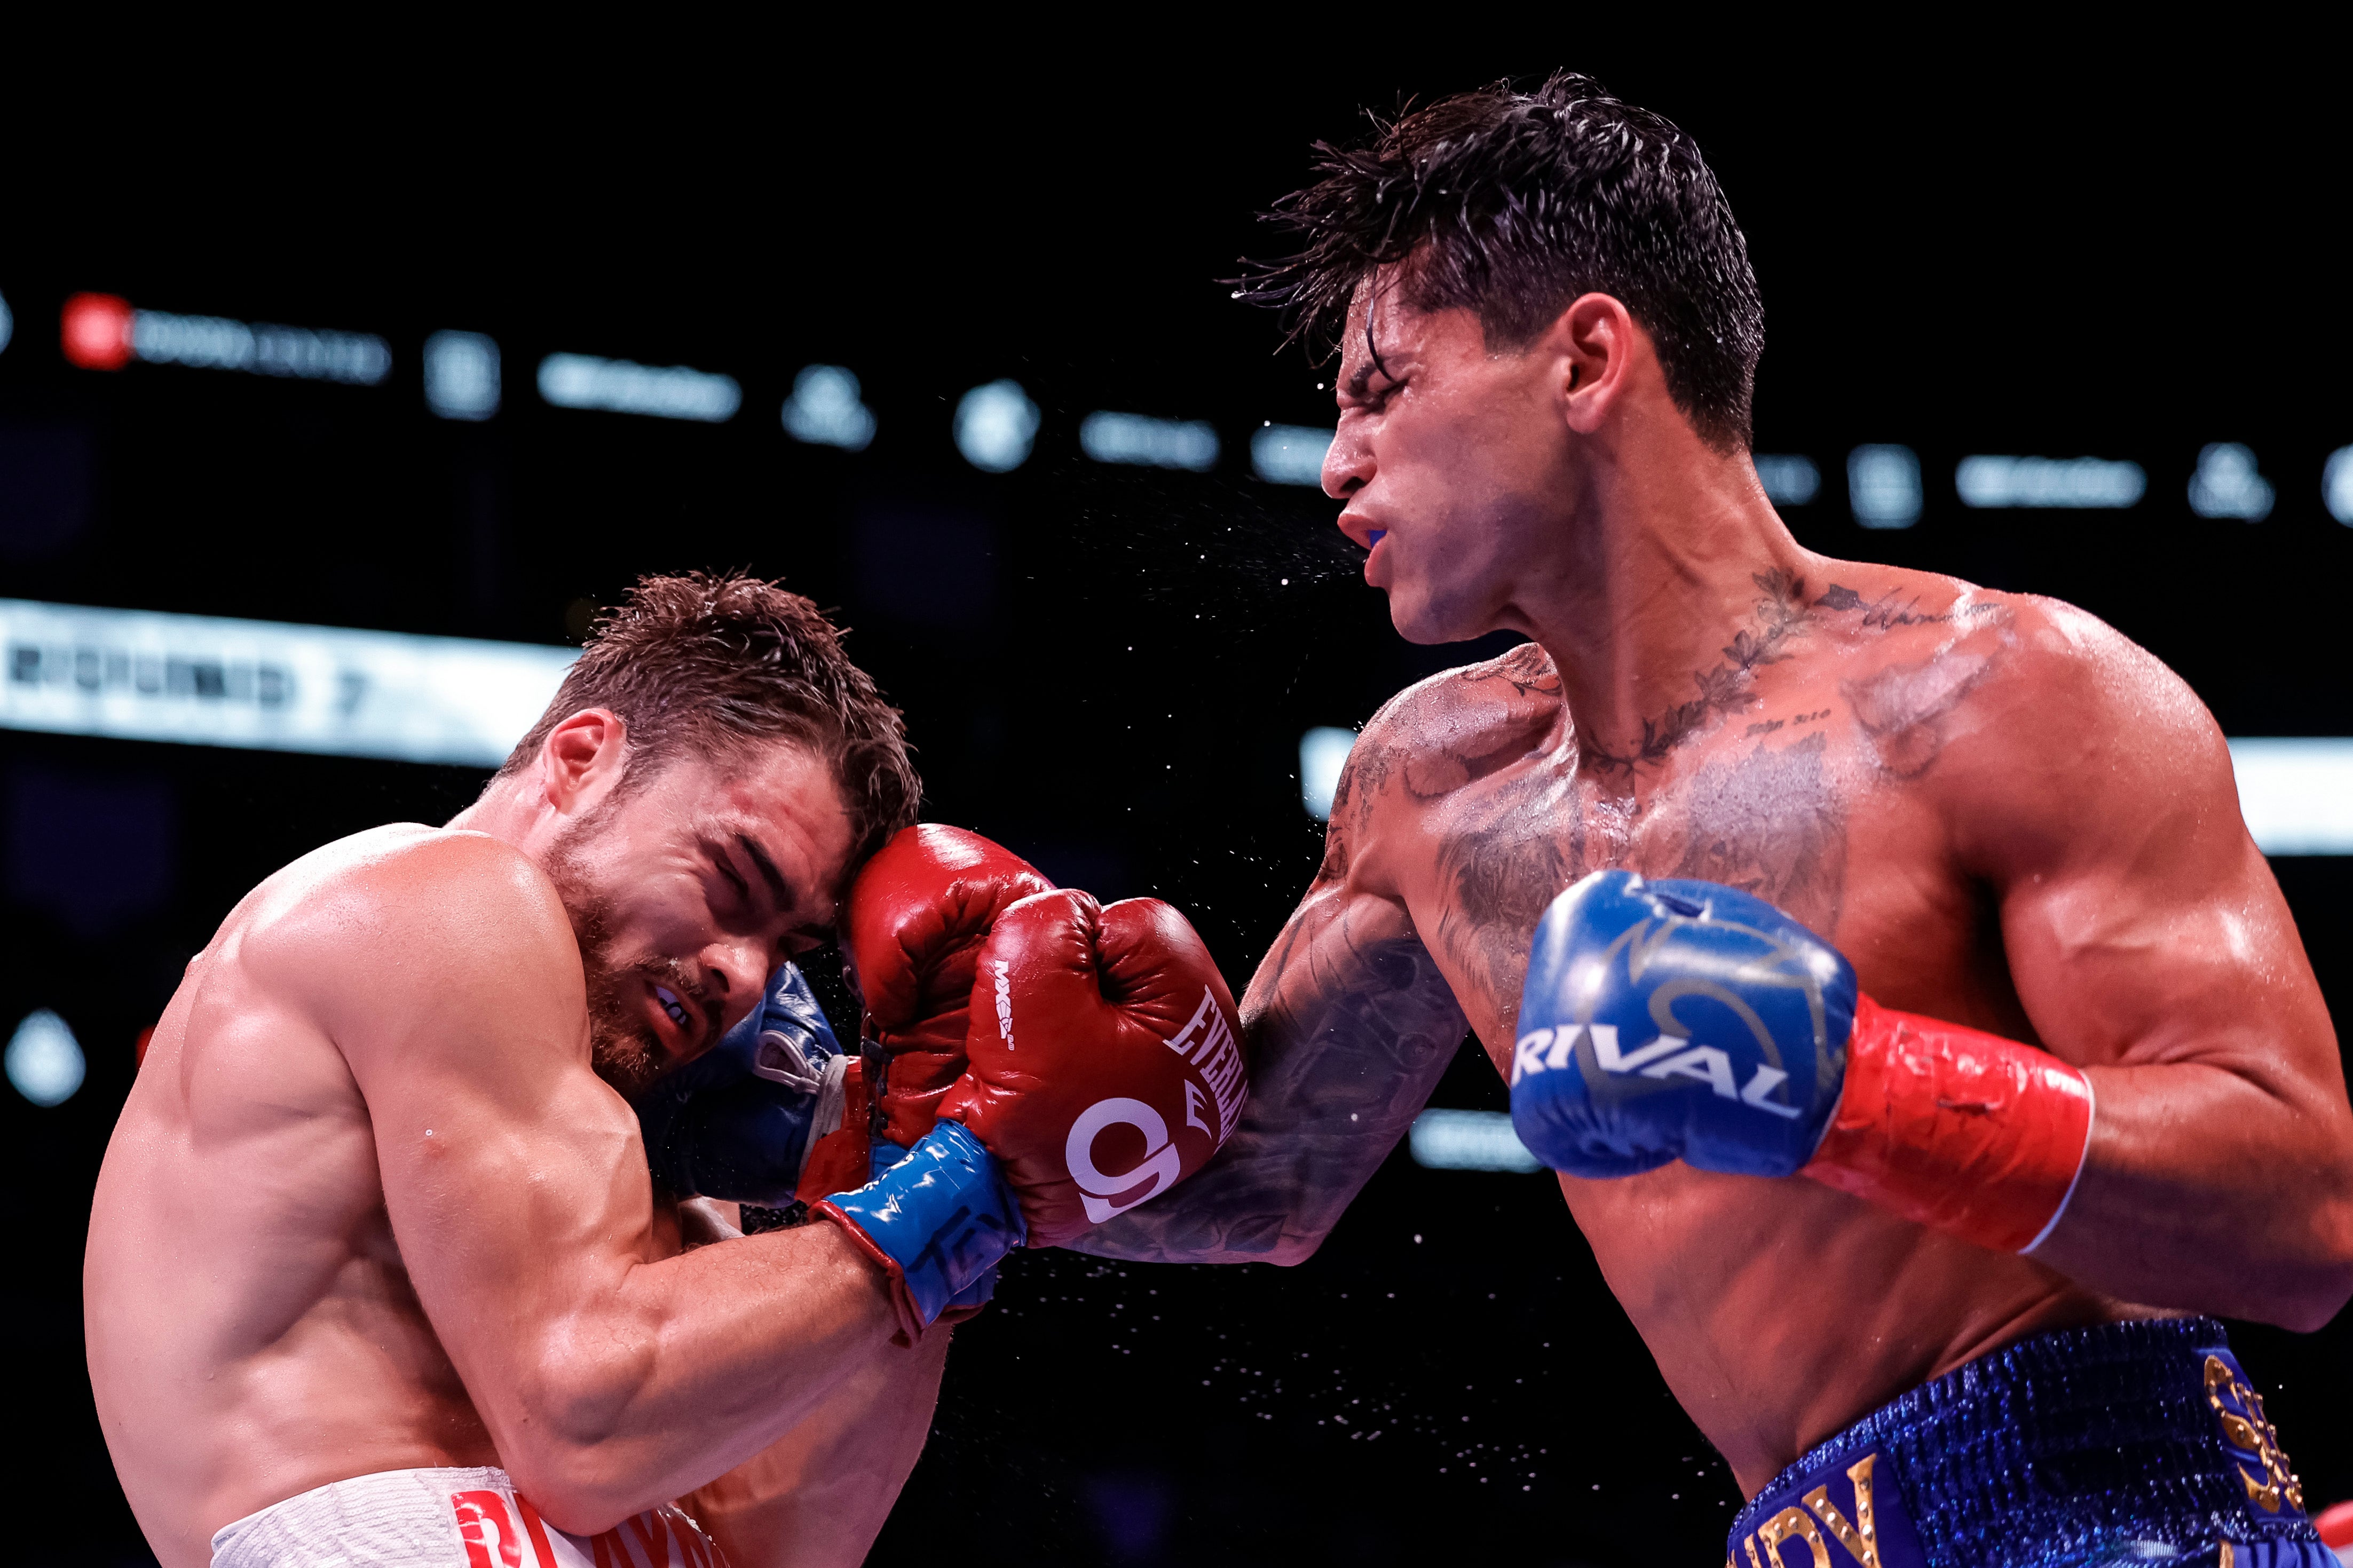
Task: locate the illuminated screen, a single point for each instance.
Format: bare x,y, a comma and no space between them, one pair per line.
136,675
1469,1141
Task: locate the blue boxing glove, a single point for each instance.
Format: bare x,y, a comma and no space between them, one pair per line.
938,1219
737,1122
1673,1019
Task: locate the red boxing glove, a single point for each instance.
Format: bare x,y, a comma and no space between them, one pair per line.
917,916
841,1155
1979,1136
1106,1063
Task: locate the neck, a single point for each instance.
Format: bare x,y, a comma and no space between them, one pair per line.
1681,581
507,811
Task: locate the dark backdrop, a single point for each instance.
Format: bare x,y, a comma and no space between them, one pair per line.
2044,248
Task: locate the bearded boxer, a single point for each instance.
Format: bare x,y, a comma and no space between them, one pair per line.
1923,1226
376,1272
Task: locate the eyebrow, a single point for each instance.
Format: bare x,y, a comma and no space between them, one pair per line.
780,889
1359,383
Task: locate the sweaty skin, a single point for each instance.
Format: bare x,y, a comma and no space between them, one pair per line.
369,1208
2004,813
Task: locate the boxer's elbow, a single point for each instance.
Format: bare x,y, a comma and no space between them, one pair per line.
2315,1312
1291,1250
2313,1286
2302,1276
572,1507
580,1489
570,1450
2307,1299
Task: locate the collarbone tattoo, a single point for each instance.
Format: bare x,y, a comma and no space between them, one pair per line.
1779,618
1882,613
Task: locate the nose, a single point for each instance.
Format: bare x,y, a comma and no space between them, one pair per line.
1348,462
735,972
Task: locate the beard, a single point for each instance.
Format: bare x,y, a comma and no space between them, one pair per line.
622,1046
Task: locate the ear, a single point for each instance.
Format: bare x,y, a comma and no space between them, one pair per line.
581,760
1596,343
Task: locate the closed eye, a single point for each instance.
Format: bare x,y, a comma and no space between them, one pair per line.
1364,393
734,878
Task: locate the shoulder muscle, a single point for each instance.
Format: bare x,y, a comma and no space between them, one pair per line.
2074,740
381,937
1443,731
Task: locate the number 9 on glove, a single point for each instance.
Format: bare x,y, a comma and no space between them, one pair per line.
1105,1064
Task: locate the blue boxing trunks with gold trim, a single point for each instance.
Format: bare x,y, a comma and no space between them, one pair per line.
2123,1443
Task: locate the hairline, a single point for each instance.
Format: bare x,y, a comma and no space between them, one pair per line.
1493,339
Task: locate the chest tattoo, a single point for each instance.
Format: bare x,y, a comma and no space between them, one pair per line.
1772,823
1767,813
1901,707
1499,878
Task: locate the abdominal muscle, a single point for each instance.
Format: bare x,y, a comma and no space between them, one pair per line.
252,1331
1782,1311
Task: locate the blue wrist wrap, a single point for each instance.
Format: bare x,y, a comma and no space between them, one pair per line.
942,1215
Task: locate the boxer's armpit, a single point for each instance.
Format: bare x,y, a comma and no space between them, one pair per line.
1350,1024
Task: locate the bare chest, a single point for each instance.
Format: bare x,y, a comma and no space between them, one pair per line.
1796,807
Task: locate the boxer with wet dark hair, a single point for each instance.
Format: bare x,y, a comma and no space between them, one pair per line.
1922,1227
376,1268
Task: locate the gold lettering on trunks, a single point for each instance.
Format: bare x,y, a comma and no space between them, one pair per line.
2248,1428
1860,1538
1751,1544
1793,1522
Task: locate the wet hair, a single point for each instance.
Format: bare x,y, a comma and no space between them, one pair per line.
719,664
1513,203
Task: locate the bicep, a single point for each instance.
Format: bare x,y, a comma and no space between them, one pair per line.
511,1172
527,1184
2140,923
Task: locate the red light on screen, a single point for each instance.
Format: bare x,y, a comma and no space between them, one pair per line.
97,332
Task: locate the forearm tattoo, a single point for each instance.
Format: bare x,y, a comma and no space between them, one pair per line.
1347,1037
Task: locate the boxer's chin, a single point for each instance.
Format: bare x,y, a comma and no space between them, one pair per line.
1420,622
1430,613
628,1061
625,1053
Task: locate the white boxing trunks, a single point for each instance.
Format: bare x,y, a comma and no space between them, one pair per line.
447,1518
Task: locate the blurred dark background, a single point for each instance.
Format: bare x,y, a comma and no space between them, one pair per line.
2047,248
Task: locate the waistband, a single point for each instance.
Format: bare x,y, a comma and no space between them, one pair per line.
446,1518
2135,1442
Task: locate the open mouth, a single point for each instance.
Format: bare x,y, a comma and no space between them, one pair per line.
683,1034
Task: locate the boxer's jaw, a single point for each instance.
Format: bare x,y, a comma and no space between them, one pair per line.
623,1049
